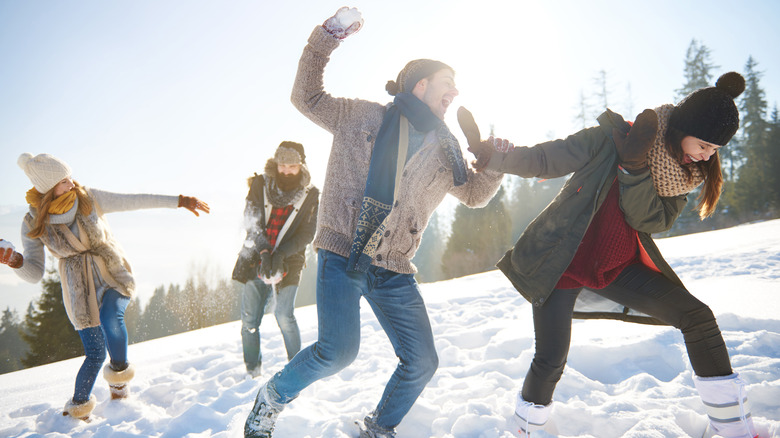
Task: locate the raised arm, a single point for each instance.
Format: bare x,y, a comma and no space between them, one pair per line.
308,94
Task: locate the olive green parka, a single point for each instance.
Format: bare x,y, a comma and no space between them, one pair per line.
547,246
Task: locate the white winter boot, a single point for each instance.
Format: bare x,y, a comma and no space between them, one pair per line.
726,402
529,416
118,380
80,411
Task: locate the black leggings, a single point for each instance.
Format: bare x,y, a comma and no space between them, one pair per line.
638,288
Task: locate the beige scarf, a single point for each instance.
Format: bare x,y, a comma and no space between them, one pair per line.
669,177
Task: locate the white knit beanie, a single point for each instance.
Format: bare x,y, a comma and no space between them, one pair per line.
44,170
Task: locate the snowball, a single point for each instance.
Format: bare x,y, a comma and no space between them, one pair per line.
348,16
273,280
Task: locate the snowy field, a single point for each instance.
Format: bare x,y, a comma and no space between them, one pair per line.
622,380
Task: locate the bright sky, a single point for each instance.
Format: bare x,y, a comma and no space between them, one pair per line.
192,96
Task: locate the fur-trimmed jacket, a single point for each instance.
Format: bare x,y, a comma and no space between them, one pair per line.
91,261
297,232
354,123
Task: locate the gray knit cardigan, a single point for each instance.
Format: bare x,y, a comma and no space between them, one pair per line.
354,123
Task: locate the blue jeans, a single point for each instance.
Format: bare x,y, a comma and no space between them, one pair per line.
111,333
400,310
255,300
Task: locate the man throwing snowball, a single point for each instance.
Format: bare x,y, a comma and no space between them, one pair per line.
390,166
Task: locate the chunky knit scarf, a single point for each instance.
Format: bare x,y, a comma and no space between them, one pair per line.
380,183
669,177
59,205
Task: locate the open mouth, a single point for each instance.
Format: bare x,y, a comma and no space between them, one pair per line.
691,159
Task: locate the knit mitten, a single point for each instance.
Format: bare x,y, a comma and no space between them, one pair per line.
633,149
482,150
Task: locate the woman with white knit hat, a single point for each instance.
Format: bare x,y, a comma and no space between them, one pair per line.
97,281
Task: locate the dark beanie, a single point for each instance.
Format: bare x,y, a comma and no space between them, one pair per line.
413,73
289,152
710,113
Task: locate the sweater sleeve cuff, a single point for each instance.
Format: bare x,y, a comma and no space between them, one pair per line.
323,40
496,159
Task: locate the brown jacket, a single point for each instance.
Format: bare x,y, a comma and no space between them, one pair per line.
354,123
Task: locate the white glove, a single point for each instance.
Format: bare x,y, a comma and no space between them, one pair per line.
344,22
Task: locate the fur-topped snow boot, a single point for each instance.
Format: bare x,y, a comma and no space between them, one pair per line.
80,411
727,406
118,379
529,416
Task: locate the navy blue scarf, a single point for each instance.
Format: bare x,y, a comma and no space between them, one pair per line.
380,184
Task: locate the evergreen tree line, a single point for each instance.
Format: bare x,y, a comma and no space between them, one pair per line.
466,242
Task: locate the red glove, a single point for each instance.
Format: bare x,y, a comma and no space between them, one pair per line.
344,22
8,256
501,145
193,204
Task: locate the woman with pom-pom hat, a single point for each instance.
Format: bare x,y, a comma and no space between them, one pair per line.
97,282
589,254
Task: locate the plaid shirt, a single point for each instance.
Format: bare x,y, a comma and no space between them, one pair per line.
276,221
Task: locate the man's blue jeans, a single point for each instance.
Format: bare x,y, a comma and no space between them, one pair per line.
111,333
255,300
399,307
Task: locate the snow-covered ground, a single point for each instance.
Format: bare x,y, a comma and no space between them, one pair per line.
622,380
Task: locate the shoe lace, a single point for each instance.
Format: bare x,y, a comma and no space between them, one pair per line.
742,410
376,431
263,418
530,406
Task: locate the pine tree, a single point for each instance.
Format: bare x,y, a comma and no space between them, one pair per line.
12,346
156,320
751,198
773,162
47,330
698,69
602,93
133,319
479,237
583,118
526,198
428,256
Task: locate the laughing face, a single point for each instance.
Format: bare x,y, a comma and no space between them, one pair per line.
63,187
696,149
437,91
